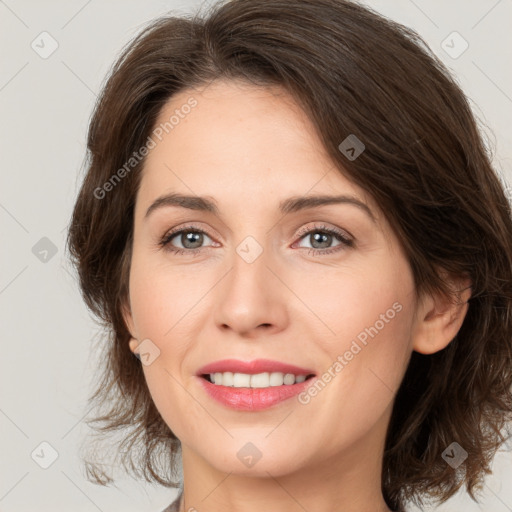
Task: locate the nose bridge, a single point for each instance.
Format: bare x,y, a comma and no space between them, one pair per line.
249,275
250,295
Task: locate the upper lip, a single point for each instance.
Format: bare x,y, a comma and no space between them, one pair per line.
252,367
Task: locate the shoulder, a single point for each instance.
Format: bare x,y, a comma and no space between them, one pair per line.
175,505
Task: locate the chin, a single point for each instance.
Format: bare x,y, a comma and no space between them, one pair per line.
258,459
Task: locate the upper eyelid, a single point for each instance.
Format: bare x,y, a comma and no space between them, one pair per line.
323,227
301,233
346,242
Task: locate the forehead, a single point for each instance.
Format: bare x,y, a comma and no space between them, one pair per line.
236,136
232,119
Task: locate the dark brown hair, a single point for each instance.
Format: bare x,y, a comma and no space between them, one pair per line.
425,164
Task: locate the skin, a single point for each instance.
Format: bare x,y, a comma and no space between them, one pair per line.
249,148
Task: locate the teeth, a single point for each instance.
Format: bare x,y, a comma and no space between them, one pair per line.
289,378
276,379
259,380
240,380
227,378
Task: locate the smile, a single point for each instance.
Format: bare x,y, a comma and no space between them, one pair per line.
253,385
258,380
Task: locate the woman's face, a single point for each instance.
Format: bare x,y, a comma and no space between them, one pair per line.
254,281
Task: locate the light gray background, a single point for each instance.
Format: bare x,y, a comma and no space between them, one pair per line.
47,333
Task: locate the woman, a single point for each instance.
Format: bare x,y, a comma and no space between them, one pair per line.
298,232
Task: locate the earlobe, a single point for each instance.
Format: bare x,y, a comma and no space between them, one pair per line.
128,318
439,319
133,344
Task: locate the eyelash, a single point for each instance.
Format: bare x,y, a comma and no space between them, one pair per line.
339,235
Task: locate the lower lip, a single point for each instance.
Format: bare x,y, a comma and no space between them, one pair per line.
253,399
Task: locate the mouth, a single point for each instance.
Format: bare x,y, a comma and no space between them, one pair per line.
258,380
258,373
253,385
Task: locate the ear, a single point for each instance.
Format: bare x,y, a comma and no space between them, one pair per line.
439,318
130,324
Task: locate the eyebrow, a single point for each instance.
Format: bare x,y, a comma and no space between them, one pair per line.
290,205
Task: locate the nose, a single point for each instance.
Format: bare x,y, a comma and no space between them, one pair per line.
251,299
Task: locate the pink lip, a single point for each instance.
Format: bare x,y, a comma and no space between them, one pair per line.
252,399
252,367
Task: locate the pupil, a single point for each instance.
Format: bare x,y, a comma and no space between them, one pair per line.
189,237
325,236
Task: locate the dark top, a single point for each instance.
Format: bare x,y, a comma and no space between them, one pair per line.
175,505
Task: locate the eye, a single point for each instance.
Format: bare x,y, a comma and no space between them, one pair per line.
190,237
321,238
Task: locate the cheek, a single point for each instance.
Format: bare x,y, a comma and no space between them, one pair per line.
158,297
364,367
161,299
354,303
365,328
